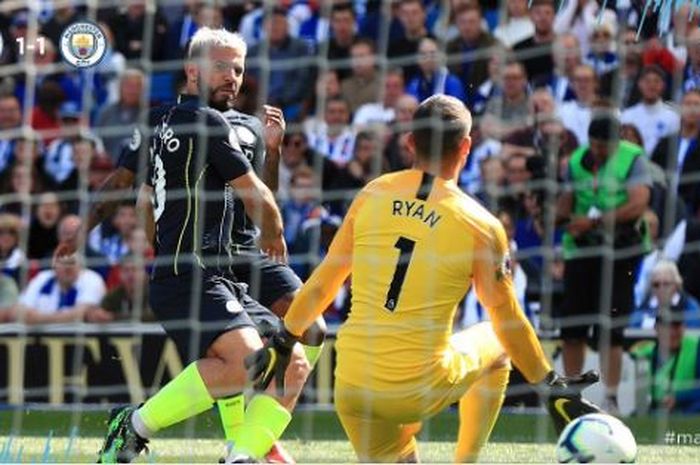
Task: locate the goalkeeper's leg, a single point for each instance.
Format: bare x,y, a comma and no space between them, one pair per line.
480,405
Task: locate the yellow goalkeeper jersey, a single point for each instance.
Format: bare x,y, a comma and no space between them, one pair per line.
414,243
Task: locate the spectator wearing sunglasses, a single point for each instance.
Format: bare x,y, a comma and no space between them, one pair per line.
673,364
667,294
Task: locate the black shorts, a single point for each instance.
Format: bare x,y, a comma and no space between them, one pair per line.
194,312
267,280
583,309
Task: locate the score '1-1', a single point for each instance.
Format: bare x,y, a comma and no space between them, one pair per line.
41,42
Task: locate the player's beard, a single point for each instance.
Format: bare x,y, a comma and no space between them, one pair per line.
221,101
224,103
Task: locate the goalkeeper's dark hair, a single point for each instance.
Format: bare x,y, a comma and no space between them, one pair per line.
440,125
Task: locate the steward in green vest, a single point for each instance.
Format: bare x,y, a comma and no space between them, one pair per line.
605,237
674,365
600,187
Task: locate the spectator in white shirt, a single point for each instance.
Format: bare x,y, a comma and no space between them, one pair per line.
518,26
333,138
580,17
66,293
567,56
576,114
652,116
382,113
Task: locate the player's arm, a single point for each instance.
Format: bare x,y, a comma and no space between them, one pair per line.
324,283
313,298
144,205
225,154
493,283
260,206
273,135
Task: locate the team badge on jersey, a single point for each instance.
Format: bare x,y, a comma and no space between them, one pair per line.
505,268
233,306
83,44
233,140
245,135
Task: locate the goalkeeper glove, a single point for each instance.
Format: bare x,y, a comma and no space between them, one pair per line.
271,361
564,401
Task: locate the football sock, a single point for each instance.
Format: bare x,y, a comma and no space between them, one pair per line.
313,353
265,421
184,396
232,411
478,410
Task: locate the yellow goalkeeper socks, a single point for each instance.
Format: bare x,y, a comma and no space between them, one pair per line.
478,411
183,397
313,353
232,413
265,421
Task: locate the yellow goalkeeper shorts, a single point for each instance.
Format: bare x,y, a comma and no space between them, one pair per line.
381,425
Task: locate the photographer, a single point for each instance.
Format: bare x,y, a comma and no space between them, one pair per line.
544,271
604,240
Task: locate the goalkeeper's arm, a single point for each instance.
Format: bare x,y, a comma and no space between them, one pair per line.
311,301
493,282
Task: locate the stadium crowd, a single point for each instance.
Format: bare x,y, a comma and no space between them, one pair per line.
348,76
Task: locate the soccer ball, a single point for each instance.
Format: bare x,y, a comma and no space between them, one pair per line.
596,438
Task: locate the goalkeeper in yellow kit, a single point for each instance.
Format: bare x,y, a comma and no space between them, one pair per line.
414,242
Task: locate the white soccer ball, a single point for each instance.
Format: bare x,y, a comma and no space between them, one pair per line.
596,438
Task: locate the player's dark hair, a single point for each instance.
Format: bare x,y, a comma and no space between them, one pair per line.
441,123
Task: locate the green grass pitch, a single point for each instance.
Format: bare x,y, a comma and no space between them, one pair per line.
313,437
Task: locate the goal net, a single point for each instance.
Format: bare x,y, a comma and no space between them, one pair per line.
584,145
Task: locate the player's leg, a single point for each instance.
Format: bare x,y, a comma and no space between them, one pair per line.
220,373
487,368
377,441
231,410
191,392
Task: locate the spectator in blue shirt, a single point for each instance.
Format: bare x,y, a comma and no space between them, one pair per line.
434,77
289,64
667,294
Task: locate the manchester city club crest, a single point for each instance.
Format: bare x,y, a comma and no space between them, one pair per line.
83,44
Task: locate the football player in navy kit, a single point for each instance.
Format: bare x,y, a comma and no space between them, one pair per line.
196,171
